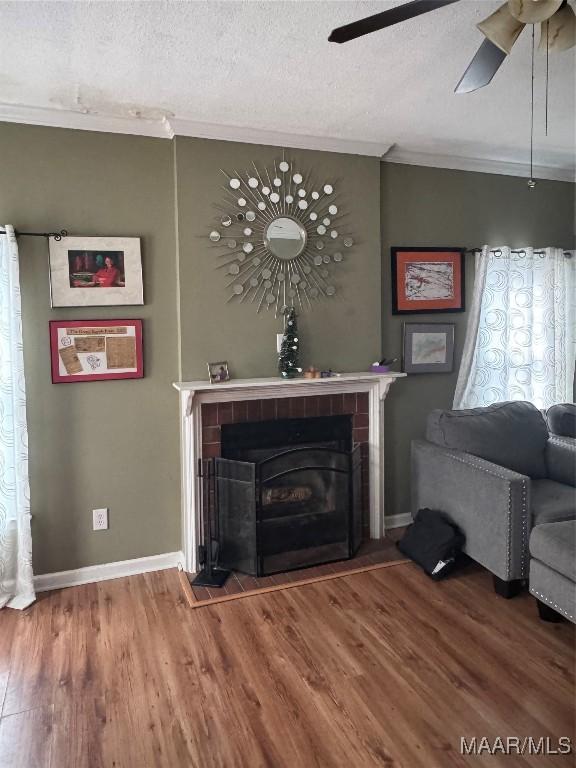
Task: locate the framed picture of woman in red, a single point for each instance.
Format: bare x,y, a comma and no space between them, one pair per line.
95,271
426,280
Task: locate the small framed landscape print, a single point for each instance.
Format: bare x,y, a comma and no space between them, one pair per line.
95,350
427,280
428,347
95,271
218,372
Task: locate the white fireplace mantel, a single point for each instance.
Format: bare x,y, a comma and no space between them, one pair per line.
193,394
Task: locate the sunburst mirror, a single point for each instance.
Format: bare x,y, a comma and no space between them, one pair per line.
279,236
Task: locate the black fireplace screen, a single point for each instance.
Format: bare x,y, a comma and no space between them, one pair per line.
295,508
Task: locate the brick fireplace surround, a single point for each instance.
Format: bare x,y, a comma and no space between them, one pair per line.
204,408
236,411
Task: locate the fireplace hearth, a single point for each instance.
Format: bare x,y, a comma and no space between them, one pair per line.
286,494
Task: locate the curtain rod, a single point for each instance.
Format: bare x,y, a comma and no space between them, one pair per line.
55,235
64,233
512,250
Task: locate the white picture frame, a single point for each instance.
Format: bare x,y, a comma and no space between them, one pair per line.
95,272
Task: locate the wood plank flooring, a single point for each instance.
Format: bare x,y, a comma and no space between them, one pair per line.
384,668
371,552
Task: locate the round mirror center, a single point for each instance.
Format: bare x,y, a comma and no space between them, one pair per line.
285,238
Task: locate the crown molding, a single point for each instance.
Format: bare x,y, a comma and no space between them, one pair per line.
168,127
85,121
246,135
478,165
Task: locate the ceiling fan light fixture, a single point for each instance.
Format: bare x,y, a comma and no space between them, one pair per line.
533,11
561,30
501,28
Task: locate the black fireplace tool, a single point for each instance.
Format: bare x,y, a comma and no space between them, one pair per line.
210,575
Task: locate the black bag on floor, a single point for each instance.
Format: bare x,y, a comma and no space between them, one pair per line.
433,542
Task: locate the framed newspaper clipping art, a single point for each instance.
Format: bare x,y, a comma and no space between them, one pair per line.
95,350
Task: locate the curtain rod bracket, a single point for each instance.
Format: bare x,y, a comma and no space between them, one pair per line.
58,235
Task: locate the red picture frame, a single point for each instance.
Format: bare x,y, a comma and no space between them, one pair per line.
95,350
427,280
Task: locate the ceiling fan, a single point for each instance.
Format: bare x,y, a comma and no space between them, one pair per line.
501,29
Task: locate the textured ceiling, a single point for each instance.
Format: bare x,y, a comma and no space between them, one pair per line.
268,65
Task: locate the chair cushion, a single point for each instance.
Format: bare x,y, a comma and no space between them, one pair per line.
561,419
555,545
512,435
552,502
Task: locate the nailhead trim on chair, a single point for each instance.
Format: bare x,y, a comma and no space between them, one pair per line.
563,443
481,468
524,531
524,514
524,518
509,538
551,604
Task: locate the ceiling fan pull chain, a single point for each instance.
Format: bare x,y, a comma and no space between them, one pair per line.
547,50
531,182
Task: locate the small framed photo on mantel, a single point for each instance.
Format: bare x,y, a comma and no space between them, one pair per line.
218,372
426,280
428,348
95,272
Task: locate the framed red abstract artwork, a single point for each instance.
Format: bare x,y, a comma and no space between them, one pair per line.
95,350
427,280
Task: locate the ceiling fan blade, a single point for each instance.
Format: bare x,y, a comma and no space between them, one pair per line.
385,19
501,28
482,68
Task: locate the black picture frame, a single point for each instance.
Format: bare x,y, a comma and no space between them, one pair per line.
427,307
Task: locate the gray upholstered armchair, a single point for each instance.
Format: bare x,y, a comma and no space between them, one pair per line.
495,472
561,420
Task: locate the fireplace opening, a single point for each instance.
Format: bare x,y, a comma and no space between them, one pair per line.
287,494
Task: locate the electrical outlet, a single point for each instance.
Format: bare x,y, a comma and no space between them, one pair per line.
100,519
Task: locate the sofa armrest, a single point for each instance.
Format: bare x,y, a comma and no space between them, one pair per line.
489,503
561,460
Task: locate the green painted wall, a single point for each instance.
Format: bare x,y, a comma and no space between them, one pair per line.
116,444
106,444
341,333
439,207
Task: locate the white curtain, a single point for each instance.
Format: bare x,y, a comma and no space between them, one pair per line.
520,340
16,581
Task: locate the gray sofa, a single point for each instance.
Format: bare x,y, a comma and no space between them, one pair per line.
496,472
553,569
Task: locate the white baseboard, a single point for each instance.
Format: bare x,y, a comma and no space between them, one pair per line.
91,573
397,521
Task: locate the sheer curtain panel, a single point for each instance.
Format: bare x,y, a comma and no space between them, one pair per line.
520,340
16,581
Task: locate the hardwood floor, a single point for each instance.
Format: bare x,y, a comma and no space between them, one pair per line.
384,668
371,552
